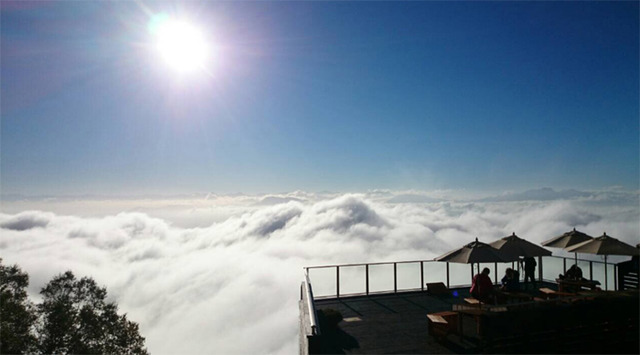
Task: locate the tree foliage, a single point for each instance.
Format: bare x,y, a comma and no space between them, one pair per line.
17,313
73,318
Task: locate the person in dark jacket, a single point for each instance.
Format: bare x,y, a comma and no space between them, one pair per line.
511,281
574,273
530,271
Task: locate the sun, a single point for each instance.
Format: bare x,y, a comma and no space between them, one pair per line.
181,44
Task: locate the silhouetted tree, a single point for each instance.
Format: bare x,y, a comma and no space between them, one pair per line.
76,319
17,314
73,318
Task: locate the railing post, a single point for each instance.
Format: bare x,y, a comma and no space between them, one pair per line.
422,275
448,275
395,278
337,281
366,267
306,273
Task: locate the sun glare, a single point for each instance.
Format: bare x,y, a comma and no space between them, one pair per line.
182,46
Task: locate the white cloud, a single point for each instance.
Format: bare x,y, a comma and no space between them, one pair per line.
211,286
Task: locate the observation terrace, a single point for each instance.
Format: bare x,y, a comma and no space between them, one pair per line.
382,308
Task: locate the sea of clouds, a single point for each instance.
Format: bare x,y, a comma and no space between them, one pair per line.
221,273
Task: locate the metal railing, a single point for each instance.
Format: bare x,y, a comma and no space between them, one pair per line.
342,280
370,275
591,266
315,330
444,274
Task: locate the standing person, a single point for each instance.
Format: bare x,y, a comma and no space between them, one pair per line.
530,271
482,287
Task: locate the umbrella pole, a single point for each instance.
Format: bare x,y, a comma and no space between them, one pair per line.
471,273
576,254
606,284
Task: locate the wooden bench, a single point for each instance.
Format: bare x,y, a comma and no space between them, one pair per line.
442,324
548,293
473,301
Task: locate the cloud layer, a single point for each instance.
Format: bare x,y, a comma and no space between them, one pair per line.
208,287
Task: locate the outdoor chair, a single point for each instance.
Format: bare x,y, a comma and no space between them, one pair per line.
438,289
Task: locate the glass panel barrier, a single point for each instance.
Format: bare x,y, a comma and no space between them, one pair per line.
352,279
460,274
551,267
435,272
323,281
583,265
598,272
381,277
408,276
611,271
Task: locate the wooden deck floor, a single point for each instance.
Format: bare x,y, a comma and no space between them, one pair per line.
388,324
393,324
398,324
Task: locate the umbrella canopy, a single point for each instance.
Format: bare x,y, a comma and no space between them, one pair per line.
475,252
567,239
515,246
604,245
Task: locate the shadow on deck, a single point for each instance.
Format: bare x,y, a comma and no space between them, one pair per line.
398,324
389,323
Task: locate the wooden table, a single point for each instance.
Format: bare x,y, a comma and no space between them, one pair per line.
477,314
516,296
565,285
548,293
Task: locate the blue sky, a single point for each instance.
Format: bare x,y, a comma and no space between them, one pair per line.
321,96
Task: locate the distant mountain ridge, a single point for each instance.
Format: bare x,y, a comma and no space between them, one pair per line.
542,194
413,198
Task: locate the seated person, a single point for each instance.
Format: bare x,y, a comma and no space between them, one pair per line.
511,281
482,287
574,273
